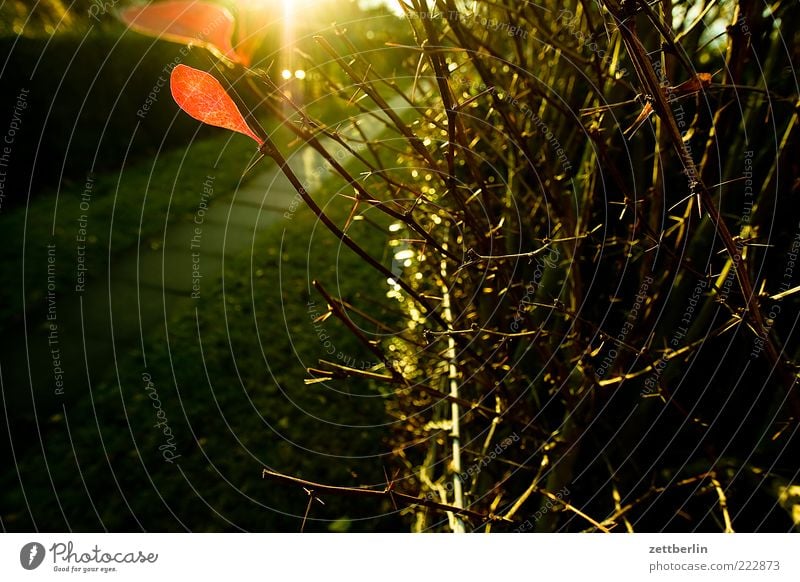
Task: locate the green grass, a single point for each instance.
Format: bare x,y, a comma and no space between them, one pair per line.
124,207
234,403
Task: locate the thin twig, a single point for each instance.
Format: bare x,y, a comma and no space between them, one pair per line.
387,493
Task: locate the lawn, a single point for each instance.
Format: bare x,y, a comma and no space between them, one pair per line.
228,379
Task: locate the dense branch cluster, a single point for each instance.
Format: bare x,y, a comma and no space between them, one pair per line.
583,268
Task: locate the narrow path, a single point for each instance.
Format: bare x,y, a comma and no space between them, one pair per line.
143,288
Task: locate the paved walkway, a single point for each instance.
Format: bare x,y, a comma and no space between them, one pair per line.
148,285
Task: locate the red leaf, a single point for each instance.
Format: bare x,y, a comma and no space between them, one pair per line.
202,97
200,23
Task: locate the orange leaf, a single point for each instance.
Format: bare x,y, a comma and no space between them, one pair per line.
200,23
202,97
